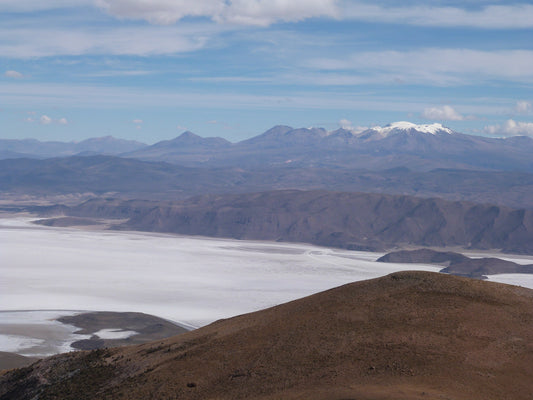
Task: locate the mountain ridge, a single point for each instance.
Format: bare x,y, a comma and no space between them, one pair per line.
421,147
356,221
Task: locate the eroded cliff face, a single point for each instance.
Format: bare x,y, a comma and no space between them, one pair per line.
358,221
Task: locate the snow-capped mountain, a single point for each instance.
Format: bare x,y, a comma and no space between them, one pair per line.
399,144
404,127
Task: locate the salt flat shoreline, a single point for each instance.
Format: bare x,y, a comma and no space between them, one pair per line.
191,280
29,335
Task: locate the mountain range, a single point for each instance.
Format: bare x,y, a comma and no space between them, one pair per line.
32,148
401,144
405,336
401,158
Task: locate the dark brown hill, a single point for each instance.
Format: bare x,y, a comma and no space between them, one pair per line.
409,335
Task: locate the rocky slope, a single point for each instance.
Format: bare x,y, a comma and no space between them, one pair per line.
409,335
349,220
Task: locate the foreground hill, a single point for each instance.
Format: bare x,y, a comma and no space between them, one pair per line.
409,335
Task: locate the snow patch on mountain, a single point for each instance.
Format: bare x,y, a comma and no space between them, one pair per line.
404,126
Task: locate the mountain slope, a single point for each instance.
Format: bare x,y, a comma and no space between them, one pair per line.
409,335
155,180
401,144
188,148
357,221
349,220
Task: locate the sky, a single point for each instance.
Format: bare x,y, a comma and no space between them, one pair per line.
150,69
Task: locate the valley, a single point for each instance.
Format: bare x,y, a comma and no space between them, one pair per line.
121,249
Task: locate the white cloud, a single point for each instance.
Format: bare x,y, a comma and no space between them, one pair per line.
513,16
443,113
45,120
348,125
511,128
13,74
137,121
244,12
345,124
267,12
161,12
523,107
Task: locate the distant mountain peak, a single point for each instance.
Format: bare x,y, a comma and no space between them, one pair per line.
404,126
282,135
189,134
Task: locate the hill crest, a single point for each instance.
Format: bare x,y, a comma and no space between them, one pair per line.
408,335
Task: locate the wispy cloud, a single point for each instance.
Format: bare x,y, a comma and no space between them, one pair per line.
434,66
141,41
46,120
512,16
92,96
118,73
510,128
23,6
243,12
264,13
523,107
231,79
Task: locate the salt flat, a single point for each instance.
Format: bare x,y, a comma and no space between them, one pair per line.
191,280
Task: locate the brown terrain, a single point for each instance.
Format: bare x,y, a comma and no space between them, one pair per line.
408,335
458,264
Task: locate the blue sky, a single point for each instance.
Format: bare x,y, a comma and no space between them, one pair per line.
148,70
